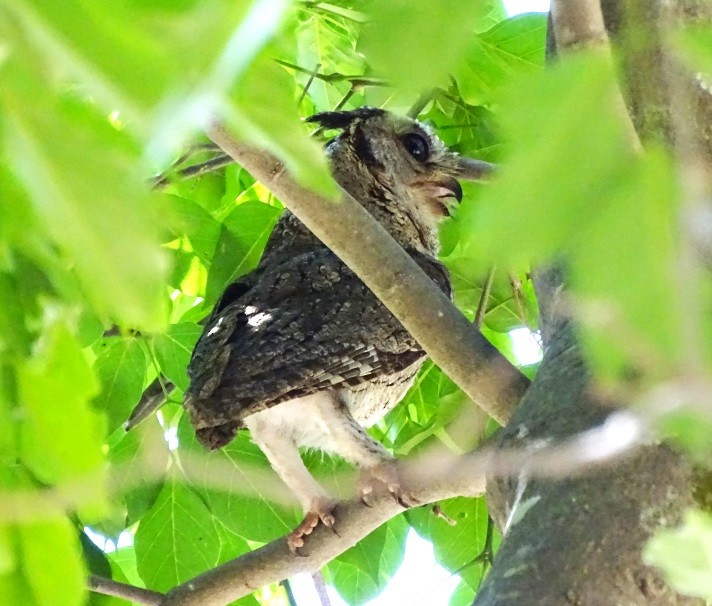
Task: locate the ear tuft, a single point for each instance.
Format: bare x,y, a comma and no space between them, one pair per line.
343,119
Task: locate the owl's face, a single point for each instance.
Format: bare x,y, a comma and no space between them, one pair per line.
402,155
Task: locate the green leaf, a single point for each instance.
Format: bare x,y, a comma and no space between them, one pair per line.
362,572
327,40
514,46
173,350
139,461
100,217
623,264
177,538
523,218
241,505
120,367
242,240
187,218
432,36
50,552
61,435
464,595
14,335
455,547
264,113
685,555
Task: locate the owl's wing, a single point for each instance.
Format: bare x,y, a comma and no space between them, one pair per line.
299,327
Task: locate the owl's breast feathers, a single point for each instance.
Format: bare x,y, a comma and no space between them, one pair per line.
290,329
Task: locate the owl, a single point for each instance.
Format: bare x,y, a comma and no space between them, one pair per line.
300,352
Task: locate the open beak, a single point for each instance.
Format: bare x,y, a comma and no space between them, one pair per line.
445,192
470,169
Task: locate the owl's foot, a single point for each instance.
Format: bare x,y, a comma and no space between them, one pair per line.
385,473
321,510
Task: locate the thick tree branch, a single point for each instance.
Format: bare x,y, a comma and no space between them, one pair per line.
369,250
275,561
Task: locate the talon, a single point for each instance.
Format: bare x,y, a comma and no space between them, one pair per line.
321,511
386,473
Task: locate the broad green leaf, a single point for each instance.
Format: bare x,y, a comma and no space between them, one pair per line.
264,113
467,129
209,46
511,47
685,554
139,462
14,588
623,264
232,482
176,539
523,218
242,240
50,552
327,41
456,547
431,38
120,367
61,434
100,218
189,219
362,572
173,350
14,336
464,595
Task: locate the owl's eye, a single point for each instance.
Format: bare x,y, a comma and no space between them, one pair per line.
417,146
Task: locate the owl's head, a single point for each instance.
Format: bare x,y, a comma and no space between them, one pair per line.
379,153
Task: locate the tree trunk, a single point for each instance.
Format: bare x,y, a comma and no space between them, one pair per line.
579,541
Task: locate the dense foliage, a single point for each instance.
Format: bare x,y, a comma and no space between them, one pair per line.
104,281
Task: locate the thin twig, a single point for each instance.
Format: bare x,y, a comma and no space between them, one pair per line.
286,585
357,81
420,104
130,593
484,298
320,586
194,170
308,84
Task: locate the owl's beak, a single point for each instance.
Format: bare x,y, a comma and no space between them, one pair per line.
444,192
470,169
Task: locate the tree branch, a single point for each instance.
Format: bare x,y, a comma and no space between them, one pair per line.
131,593
369,250
578,24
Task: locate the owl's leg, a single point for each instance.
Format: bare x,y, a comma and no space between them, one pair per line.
283,454
350,440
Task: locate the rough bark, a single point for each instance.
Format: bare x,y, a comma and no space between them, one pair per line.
579,541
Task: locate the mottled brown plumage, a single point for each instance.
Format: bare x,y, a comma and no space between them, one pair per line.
300,351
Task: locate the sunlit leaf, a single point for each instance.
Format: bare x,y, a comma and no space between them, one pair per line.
524,218
176,539
361,572
237,494
101,217
242,239
121,369
264,113
41,544
431,38
685,555
173,350
458,545
61,433
511,47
